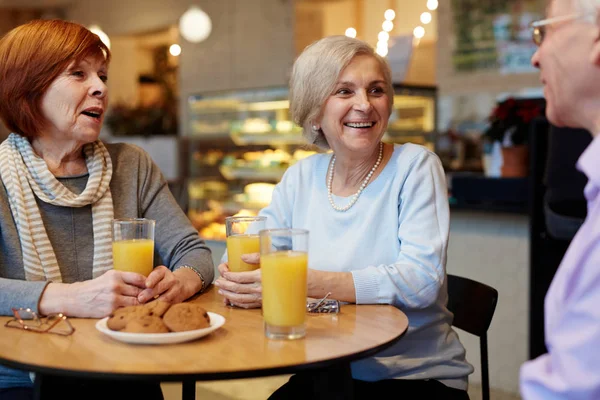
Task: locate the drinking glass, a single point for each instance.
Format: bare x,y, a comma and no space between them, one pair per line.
242,238
133,245
284,267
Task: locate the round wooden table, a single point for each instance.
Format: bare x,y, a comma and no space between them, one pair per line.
238,349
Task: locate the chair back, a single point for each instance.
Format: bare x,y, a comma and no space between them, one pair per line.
472,303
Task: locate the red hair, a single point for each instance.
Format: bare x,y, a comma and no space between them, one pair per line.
32,56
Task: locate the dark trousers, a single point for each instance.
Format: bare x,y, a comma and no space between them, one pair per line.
16,393
74,388
299,387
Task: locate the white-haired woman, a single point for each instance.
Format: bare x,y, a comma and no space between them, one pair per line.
378,220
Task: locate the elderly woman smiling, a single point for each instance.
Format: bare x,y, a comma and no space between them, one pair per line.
378,221
61,187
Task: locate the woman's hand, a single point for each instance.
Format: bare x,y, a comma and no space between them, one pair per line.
171,287
95,298
241,289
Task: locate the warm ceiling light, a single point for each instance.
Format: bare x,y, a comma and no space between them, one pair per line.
351,32
383,36
195,25
389,14
419,32
382,51
103,36
387,26
175,50
426,17
432,5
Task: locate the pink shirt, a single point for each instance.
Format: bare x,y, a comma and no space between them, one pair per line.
571,368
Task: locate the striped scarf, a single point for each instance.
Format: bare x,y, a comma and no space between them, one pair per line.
24,173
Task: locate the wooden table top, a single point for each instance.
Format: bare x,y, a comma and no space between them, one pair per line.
237,349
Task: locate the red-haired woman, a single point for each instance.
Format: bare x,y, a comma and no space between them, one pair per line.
61,187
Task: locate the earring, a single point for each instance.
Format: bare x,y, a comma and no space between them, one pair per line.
315,128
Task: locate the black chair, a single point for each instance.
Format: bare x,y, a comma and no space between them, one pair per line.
473,305
557,207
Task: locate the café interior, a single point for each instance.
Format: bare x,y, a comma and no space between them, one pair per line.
202,86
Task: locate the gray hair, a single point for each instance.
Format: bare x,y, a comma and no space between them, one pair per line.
587,7
315,74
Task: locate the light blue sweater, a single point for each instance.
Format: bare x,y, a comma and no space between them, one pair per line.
394,241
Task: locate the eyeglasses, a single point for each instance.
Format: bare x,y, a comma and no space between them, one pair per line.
538,28
27,319
323,306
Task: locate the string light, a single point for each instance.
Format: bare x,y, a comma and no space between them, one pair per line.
195,25
387,26
175,50
381,45
426,17
351,32
419,32
383,36
382,51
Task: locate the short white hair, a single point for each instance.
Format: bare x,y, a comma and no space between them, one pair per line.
587,7
315,74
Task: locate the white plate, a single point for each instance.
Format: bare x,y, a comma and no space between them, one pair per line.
216,321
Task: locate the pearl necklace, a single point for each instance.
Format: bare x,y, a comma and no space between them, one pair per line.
362,186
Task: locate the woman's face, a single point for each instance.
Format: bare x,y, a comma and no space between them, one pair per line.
355,116
75,103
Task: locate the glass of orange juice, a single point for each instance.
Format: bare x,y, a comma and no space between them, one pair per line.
133,245
242,238
284,267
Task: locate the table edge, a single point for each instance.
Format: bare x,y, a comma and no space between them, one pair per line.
203,376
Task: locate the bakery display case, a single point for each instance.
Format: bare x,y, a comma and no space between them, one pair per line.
238,144
414,116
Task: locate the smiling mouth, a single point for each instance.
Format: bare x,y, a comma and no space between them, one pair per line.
360,125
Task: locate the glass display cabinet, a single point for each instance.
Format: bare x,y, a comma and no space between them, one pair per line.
239,143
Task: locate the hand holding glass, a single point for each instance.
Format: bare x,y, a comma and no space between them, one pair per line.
133,245
284,268
242,238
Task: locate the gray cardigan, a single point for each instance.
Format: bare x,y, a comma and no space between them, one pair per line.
139,190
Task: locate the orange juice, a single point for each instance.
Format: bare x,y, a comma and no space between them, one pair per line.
136,255
284,287
238,245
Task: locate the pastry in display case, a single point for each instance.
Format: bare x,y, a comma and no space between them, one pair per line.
413,118
239,144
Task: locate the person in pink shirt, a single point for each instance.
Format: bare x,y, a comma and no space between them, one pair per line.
568,58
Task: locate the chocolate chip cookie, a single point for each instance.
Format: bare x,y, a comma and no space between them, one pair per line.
157,307
121,316
186,317
146,324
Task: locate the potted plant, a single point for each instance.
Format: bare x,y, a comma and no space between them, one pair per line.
509,130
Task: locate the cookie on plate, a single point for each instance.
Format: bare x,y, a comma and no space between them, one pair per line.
146,324
157,307
121,316
186,317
